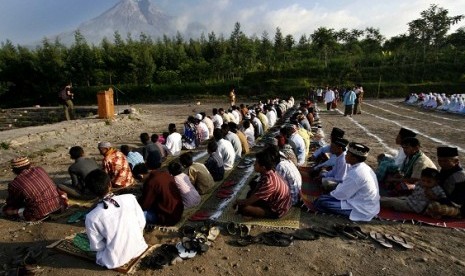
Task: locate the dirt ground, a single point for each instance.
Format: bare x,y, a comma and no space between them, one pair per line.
438,251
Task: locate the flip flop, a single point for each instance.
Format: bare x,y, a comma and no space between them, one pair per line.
276,238
187,231
399,240
305,234
213,233
358,232
185,253
233,228
380,239
244,230
247,240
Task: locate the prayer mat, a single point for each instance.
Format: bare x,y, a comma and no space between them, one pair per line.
309,191
389,214
290,220
68,247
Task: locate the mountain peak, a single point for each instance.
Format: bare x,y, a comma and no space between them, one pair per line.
126,17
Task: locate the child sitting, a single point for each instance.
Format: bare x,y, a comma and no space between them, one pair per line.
425,191
114,227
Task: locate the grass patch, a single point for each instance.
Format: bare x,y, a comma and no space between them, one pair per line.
4,145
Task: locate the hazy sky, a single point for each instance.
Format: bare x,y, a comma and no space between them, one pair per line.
25,21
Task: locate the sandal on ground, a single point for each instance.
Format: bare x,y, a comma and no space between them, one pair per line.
185,253
276,238
187,231
305,234
399,241
244,230
358,232
324,231
380,239
233,229
247,240
346,231
213,233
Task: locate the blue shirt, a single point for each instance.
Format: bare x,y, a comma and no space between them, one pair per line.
134,158
349,98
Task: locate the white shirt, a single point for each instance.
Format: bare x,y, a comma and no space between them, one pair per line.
237,116
235,142
257,124
298,145
205,131
359,192
250,135
329,96
339,170
217,121
400,157
226,151
116,233
174,143
210,125
272,117
289,172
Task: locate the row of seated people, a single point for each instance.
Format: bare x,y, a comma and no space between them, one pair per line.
410,180
454,103
33,195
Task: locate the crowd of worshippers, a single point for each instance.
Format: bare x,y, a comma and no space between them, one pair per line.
350,187
454,103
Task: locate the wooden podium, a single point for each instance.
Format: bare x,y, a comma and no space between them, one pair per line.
106,107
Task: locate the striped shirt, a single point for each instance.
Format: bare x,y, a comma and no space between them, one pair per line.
134,158
117,167
190,196
274,190
34,191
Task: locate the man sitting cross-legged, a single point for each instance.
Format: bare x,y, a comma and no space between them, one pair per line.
115,226
357,197
270,198
32,195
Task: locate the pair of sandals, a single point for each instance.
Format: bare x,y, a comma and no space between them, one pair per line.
351,232
163,256
237,229
386,239
272,238
207,232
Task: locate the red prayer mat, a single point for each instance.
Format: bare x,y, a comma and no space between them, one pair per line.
389,214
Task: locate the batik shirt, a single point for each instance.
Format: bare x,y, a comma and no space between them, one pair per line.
117,167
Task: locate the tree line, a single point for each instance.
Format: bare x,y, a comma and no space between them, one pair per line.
425,54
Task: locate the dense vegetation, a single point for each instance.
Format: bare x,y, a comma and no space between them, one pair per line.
426,57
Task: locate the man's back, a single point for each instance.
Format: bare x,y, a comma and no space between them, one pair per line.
79,170
34,188
116,233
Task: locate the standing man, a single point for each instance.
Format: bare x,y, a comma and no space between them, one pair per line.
66,97
232,96
349,101
358,100
357,197
329,98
